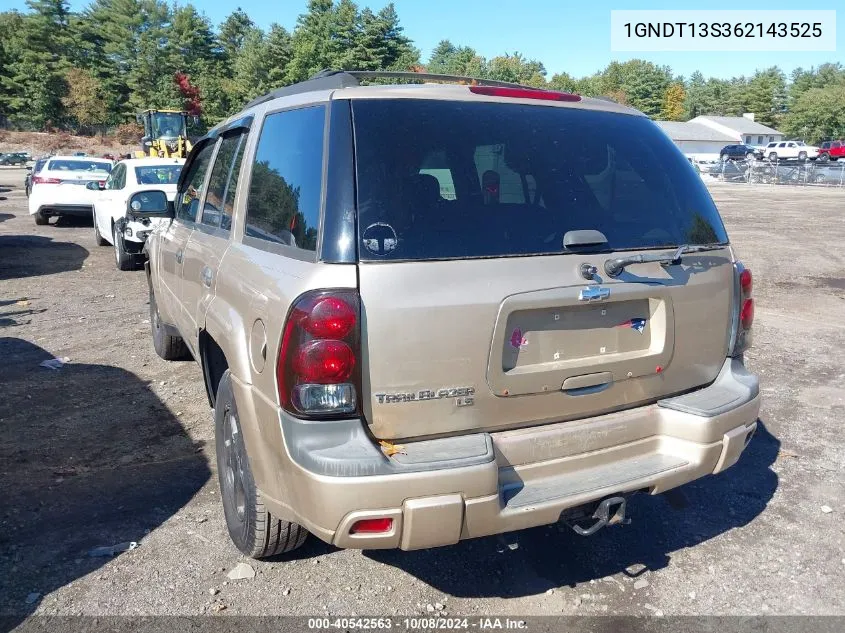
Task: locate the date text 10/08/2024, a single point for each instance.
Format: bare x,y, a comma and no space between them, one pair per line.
421,623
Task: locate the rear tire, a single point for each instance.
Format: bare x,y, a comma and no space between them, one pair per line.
252,528
167,347
773,156
824,158
802,156
98,239
41,219
123,260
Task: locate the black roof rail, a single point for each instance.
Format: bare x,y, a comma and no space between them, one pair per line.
390,74
335,79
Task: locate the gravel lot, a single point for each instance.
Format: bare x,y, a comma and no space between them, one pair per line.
117,446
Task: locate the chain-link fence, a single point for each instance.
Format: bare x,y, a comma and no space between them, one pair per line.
779,172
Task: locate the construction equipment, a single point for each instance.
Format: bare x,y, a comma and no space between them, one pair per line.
165,134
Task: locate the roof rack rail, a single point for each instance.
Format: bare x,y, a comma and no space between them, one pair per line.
334,79
390,74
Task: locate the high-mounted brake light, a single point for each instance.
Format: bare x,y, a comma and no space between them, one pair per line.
318,369
524,93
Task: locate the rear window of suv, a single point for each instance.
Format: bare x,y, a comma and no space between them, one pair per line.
446,180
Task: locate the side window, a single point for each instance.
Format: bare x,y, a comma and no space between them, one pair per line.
287,178
782,145
220,199
188,197
120,181
112,179
759,140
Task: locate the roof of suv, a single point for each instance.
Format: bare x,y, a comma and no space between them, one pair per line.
346,85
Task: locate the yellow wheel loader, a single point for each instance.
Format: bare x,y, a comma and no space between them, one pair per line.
165,134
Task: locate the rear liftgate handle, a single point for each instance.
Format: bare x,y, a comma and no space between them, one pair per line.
179,254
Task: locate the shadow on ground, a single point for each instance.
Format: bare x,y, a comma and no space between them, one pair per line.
551,557
33,255
6,216
91,457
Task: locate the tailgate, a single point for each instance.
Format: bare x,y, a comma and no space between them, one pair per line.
445,352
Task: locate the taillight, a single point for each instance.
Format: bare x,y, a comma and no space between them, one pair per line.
318,369
743,317
40,180
524,93
746,281
746,314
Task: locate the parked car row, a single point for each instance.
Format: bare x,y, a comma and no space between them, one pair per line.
78,185
777,151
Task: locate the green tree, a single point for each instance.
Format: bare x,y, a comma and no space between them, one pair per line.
516,69
85,102
310,44
818,114
32,83
448,59
233,33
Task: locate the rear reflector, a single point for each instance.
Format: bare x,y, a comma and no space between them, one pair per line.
524,93
372,526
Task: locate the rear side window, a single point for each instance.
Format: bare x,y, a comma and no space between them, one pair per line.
158,174
519,178
220,199
284,194
188,198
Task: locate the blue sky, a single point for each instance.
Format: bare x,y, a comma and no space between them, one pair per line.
564,35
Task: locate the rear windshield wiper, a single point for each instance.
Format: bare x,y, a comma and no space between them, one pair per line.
613,267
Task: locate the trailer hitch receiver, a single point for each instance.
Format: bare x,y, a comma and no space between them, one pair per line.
611,511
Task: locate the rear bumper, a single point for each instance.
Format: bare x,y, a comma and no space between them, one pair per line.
450,489
79,210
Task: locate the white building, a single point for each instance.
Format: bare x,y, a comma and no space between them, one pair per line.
705,136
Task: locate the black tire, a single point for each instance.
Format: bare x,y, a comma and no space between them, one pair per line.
252,528
802,156
773,156
41,219
167,347
98,239
749,156
824,158
123,260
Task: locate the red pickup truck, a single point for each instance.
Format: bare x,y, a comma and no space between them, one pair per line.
831,150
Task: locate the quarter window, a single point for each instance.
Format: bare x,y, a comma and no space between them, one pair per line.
284,195
220,199
189,195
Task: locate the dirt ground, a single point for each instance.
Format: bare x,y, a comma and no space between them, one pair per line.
117,446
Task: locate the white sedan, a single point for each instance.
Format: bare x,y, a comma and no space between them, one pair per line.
112,224
61,187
